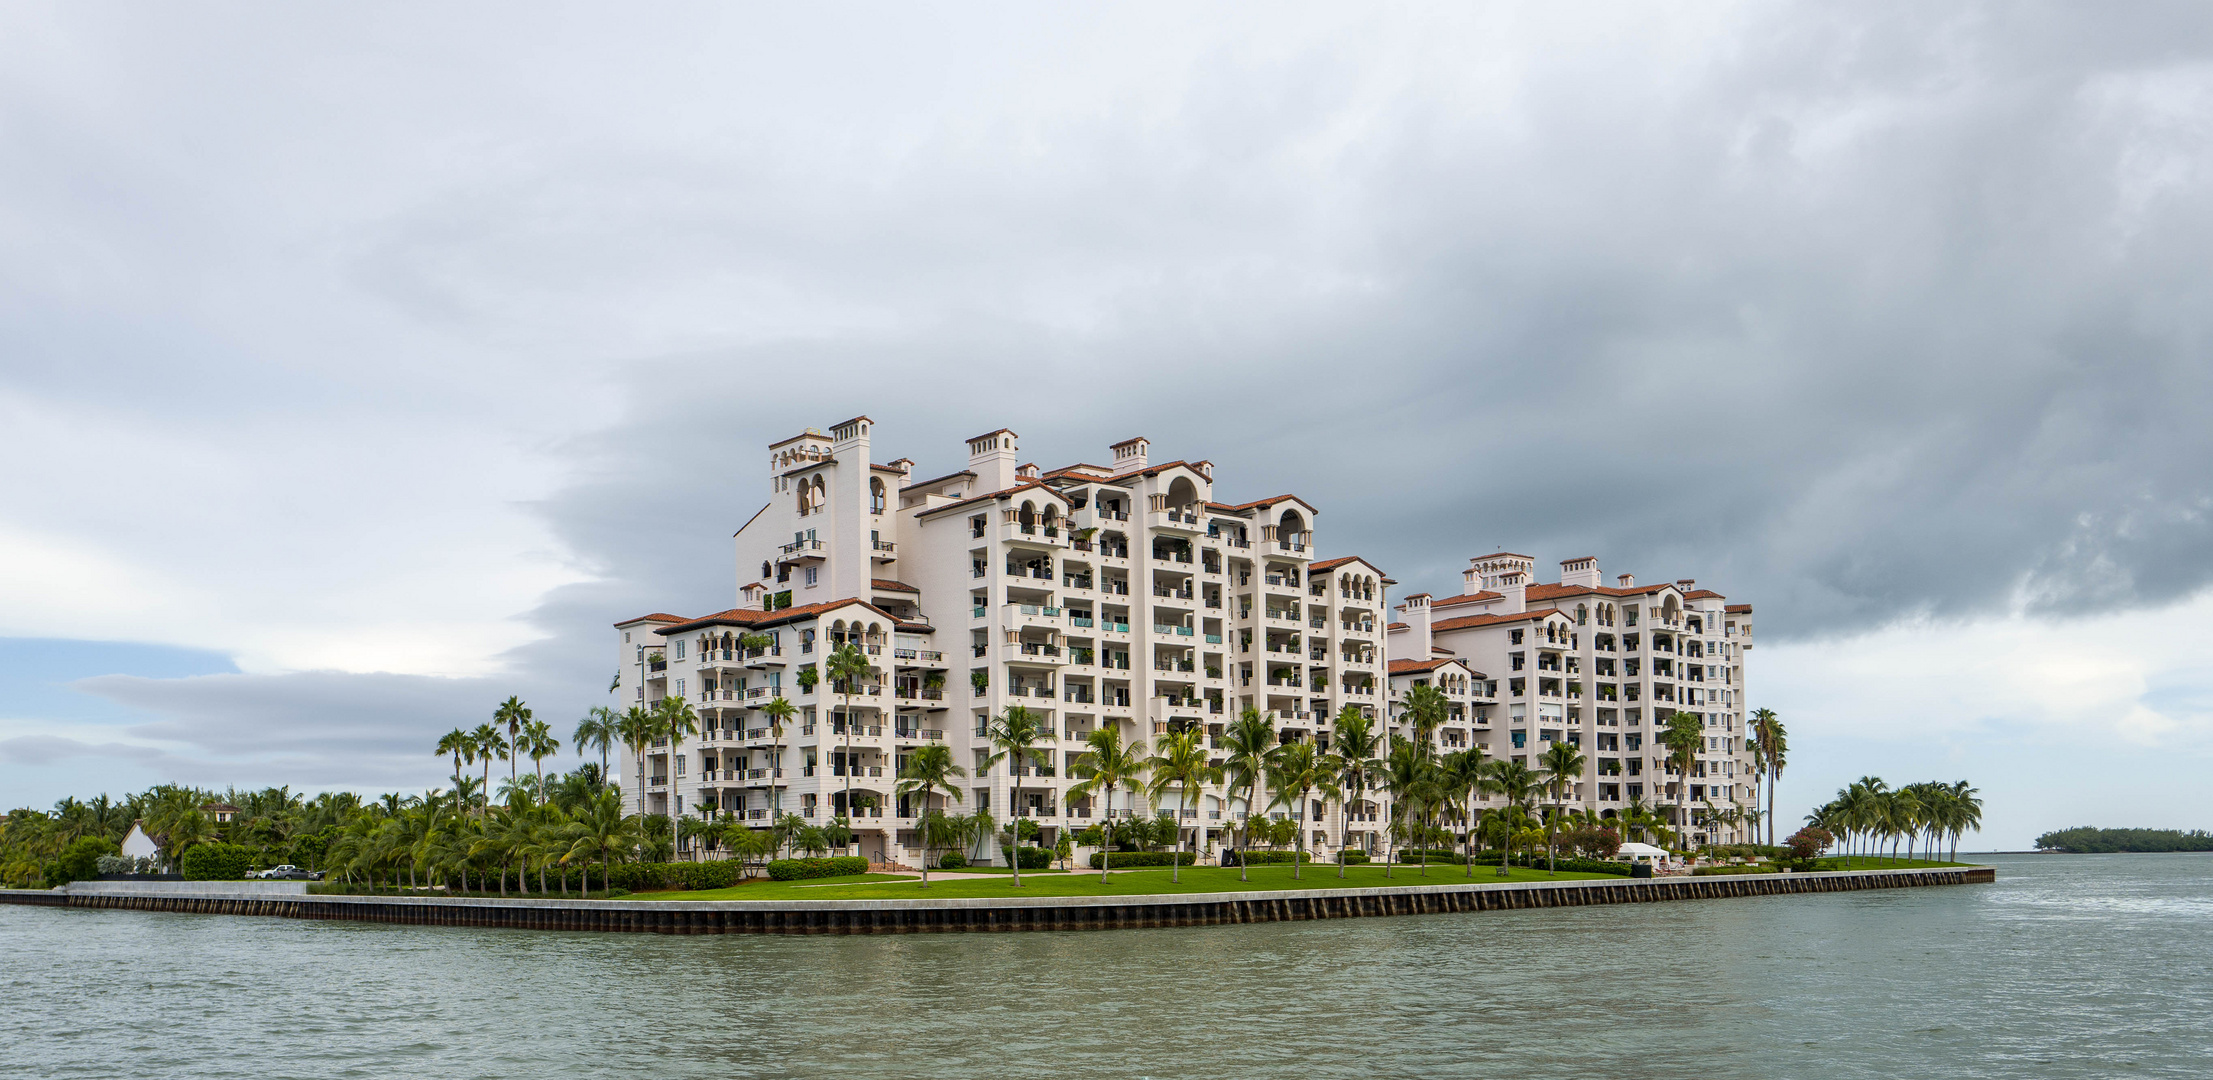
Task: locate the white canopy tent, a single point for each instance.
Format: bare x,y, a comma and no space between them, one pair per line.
1634,852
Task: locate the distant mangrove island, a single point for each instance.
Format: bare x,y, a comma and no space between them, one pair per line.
2085,840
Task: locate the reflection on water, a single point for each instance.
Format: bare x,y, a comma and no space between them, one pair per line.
2069,966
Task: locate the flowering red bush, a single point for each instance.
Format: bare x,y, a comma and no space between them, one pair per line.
1808,843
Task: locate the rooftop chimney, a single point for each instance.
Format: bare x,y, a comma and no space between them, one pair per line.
1130,454
991,457
1514,585
1418,641
1027,471
1626,581
1582,572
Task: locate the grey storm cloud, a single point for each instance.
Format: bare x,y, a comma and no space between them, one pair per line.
1859,313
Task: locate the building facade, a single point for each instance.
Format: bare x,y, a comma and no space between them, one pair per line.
1121,595
1601,668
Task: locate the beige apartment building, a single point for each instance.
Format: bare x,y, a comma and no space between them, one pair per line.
1600,667
1123,594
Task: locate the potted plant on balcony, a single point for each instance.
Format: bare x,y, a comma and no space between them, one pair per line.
934,680
980,679
755,642
1321,680
808,677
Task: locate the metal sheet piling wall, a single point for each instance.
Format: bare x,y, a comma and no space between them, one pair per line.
998,916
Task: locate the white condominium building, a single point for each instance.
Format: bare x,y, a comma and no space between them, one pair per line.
1601,667
1096,595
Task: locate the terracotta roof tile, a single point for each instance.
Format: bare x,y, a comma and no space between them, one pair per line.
658,616
1469,622
1467,598
1737,609
757,617
888,585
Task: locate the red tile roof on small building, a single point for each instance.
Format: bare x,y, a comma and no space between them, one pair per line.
658,616
888,585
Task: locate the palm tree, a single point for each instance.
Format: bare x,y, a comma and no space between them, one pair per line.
846,666
1425,707
1966,814
1297,772
1684,736
1252,745
1411,777
1518,783
600,727
1110,763
1013,732
779,713
455,742
514,714
489,744
636,729
604,832
1774,746
1181,762
1355,756
930,769
1468,774
538,744
1563,766
673,719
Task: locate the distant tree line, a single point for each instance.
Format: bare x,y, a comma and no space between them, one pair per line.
2085,840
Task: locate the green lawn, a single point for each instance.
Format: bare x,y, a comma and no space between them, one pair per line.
1196,879
1880,862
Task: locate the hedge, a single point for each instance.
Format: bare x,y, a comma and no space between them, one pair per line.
1260,858
952,860
1490,858
1033,858
1146,858
796,869
216,862
647,877
80,861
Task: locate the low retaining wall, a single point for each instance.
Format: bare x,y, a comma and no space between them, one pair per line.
1019,913
187,888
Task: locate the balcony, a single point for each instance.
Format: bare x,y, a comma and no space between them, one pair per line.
883,550
919,656
1174,521
1033,652
801,551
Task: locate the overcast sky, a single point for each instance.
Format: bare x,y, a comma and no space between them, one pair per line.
359,366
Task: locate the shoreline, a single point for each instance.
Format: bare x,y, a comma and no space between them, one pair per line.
987,915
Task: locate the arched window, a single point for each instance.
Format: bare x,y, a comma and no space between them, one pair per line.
1582,615
875,494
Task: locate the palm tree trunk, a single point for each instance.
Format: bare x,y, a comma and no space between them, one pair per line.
1106,838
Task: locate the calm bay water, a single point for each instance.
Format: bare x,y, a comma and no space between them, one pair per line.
2068,966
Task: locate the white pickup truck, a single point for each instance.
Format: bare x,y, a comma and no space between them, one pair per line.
286,872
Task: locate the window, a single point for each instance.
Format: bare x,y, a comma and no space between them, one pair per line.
680,649
812,573
679,688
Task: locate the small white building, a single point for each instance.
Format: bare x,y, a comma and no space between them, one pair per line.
138,845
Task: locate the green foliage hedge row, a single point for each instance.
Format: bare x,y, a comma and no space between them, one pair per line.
1263,858
1147,858
80,861
1033,858
797,869
646,877
952,860
1490,858
216,862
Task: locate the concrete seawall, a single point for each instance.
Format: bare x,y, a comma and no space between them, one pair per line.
989,914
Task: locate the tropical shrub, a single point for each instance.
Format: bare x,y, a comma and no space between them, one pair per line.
216,862
1593,843
1353,858
952,860
798,869
1145,858
1806,846
80,861
1033,858
1258,858
645,877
